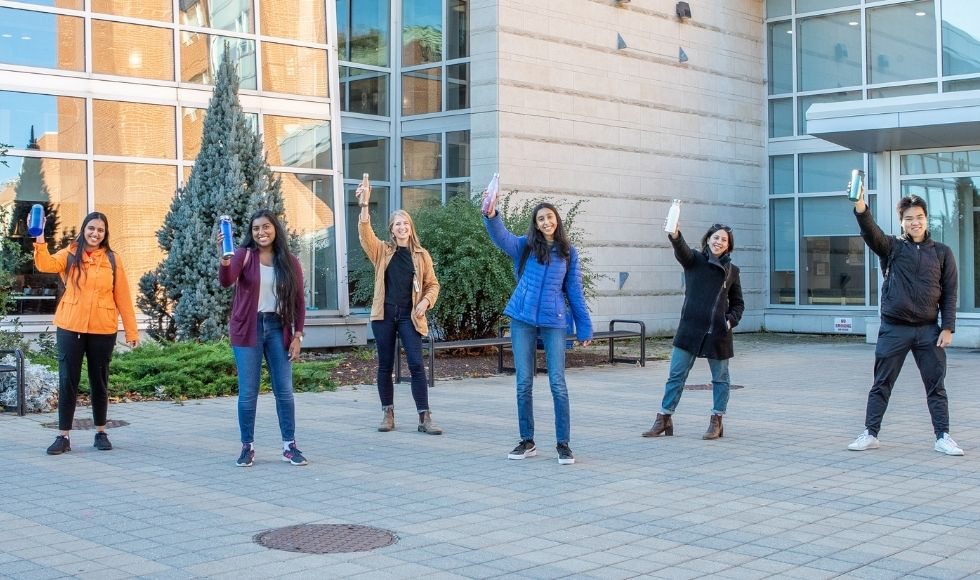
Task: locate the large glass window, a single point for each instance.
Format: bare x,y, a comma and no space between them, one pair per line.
132,50
781,174
366,154
200,57
422,91
831,253
134,129
781,57
781,118
419,196
295,142
42,122
828,51
303,20
149,9
776,8
458,87
901,42
310,215
421,32
967,161
458,29
457,154
838,97
827,172
42,40
364,91
294,69
961,37
234,15
813,5
422,157
782,248
363,30
71,4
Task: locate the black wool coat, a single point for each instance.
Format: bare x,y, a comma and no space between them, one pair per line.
713,302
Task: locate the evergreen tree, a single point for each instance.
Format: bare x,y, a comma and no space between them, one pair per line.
31,189
230,177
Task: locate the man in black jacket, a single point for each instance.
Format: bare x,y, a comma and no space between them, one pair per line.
919,285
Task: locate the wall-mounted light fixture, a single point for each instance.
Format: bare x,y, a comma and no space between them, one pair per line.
683,10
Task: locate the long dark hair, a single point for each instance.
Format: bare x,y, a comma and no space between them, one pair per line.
286,271
537,242
74,261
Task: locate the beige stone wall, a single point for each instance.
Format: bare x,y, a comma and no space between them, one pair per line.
628,130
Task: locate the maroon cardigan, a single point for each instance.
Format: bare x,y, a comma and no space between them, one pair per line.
245,307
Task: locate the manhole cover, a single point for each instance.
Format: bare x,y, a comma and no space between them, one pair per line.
708,387
83,424
325,538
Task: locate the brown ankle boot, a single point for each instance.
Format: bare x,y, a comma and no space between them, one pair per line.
715,428
388,420
664,425
426,425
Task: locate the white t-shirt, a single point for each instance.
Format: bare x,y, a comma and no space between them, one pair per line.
267,288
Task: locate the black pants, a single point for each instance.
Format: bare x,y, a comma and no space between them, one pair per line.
894,343
97,349
398,320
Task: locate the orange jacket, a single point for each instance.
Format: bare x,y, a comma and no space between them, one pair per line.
95,305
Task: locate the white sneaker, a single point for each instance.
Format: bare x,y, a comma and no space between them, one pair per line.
947,445
868,441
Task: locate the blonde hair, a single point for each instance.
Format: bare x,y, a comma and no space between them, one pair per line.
413,241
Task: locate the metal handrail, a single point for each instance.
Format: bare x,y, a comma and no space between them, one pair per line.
19,369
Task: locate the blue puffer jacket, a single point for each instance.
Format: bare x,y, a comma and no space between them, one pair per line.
539,299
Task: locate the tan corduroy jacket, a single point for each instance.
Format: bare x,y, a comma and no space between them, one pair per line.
424,284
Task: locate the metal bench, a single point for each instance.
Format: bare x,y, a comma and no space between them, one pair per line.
18,369
501,342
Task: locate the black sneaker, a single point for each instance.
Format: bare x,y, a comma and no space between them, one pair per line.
565,456
102,441
523,450
61,445
294,456
247,456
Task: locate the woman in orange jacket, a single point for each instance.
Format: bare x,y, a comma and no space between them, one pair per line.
87,319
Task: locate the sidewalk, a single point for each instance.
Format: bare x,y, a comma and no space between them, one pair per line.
778,496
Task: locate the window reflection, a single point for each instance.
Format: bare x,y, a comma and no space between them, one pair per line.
234,15
366,154
132,50
421,32
812,5
781,174
826,172
831,253
200,58
961,38
364,33
805,102
311,217
780,57
366,91
458,87
296,19
296,142
458,29
828,51
781,242
780,118
42,122
422,157
135,198
294,69
71,4
422,91
901,42
461,188
149,9
134,129
419,196
42,40
458,154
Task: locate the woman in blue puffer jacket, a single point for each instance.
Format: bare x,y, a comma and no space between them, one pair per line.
548,276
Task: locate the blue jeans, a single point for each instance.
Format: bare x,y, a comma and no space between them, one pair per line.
248,359
681,362
398,320
523,341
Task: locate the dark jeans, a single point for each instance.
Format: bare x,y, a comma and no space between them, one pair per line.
398,320
894,343
97,349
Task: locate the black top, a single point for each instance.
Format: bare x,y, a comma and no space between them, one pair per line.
398,278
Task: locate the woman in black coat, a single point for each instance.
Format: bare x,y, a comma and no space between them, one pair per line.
712,308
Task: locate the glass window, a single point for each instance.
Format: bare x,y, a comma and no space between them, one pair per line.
961,37
296,142
805,102
303,20
419,196
776,8
831,253
364,31
72,4
366,154
457,29
380,209
421,32
134,129
828,51
135,197
963,85
782,236
234,15
457,189
311,218
902,91
366,91
458,154
941,162
42,122
132,50
781,57
901,57
780,118
781,174
161,10
422,157
59,185
824,172
422,91
200,58
458,87
294,69
42,40
814,5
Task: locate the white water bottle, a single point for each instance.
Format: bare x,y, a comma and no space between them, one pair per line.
670,224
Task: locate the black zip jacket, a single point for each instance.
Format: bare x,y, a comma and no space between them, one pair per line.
920,282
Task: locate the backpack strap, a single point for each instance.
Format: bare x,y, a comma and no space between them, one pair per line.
112,262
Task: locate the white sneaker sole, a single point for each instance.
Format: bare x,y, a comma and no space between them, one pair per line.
566,461
527,454
957,453
874,445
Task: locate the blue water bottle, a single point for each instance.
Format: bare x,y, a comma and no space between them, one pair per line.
227,244
35,222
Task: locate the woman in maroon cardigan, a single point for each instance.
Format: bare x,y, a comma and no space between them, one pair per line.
267,318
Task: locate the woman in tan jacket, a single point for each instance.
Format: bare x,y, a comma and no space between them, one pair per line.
87,319
405,287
